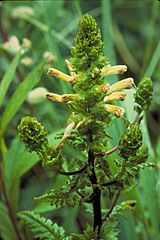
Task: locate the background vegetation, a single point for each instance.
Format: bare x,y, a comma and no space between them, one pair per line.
131,34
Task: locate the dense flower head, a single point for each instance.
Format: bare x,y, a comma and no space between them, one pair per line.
130,142
32,133
89,45
144,93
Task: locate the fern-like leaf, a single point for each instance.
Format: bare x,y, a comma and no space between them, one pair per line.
60,198
43,228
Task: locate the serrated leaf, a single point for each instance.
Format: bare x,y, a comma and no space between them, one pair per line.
43,228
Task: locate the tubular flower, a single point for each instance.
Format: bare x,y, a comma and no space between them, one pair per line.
116,110
111,70
62,98
56,73
115,96
123,84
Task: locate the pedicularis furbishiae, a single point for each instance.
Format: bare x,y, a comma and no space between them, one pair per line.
92,105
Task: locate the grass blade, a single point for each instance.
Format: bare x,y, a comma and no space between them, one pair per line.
20,94
154,61
6,81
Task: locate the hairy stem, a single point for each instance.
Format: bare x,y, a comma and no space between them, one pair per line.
96,200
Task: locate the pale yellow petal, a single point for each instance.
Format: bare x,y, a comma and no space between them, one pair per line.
56,73
115,96
111,70
116,110
123,84
70,68
62,98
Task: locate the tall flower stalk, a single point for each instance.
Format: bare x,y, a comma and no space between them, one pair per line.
93,105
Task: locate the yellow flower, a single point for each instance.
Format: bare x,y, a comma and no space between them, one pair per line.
56,73
123,84
115,96
62,98
110,70
116,110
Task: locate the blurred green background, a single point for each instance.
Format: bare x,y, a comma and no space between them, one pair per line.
131,34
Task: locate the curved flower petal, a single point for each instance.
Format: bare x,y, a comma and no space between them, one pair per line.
116,110
115,96
56,73
62,98
110,70
123,84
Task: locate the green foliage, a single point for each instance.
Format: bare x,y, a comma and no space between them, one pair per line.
144,93
43,228
20,95
60,198
6,81
131,141
108,232
6,228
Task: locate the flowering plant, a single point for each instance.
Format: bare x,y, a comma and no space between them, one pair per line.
93,108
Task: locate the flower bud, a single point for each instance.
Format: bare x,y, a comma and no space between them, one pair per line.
130,142
144,93
142,154
33,134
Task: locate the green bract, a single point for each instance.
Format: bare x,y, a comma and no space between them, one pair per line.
142,154
89,46
32,133
130,142
144,93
